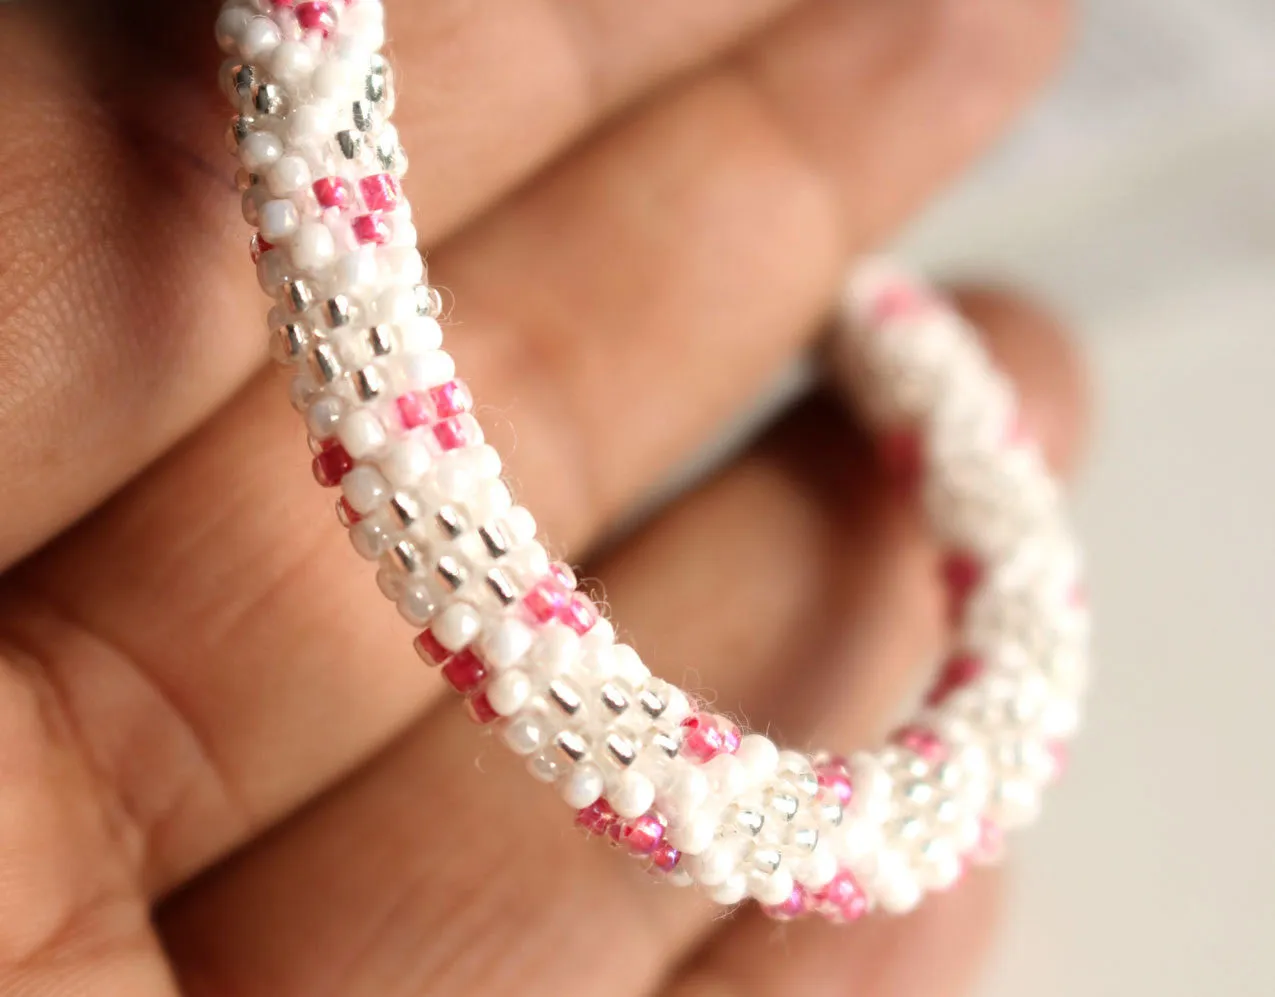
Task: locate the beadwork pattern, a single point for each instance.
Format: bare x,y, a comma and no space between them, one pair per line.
638,760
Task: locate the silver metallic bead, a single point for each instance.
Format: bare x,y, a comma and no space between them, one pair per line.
369,383
621,749
614,699
653,705
406,557
405,508
831,812
429,301
804,838
242,80
364,115
297,295
668,743
289,342
767,860
784,804
565,697
325,363
380,340
350,144
336,311
451,572
268,98
495,540
502,587
749,820
451,522
239,129
572,745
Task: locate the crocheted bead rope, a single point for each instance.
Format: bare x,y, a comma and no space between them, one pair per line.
638,760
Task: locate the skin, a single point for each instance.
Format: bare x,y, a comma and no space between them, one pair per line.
222,769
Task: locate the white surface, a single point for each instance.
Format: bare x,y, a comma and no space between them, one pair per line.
1140,200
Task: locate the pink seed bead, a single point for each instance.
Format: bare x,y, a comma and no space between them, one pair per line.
380,192
597,818
333,192
465,672
731,736
896,302
371,230
843,899
451,399
643,835
923,742
316,16
452,434
543,601
797,904
331,464
666,857
703,740
481,710
430,650
959,671
413,409
563,576
579,613
833,775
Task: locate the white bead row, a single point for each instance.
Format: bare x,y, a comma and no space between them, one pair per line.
423,498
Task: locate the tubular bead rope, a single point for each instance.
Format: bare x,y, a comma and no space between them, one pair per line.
421,493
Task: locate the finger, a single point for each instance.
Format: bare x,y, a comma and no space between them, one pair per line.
464,881
937,951
125,318
230,641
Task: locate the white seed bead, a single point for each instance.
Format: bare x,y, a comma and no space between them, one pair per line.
583,787
292,63
505,644
313,247
364,489
759,755
457,625
232,24
258,38
633,795
405,463
361,433
526,734
279,220
732,891
289,175
771,888
416,604
508,693
260,150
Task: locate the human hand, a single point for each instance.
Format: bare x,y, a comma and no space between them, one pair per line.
222,769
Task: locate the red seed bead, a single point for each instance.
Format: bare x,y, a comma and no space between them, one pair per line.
380,192
465,672
333,192
666,857
259,247
579,613
642,835
371,230
962,573
431,651
481,711
450,399
316,16
346,513
959,671
597,818
331,465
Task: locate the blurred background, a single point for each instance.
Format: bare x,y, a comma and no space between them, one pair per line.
1139,199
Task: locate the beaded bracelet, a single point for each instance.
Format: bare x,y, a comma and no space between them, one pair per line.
637,759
